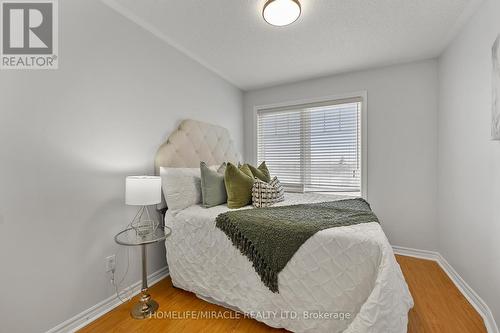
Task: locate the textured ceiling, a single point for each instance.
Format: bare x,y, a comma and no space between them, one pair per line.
331,36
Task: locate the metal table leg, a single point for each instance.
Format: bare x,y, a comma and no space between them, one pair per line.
146,305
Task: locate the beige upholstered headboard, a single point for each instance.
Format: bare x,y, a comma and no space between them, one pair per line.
194,141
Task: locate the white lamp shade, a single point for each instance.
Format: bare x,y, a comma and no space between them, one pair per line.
142,190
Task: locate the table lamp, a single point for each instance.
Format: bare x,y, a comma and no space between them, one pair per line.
143,191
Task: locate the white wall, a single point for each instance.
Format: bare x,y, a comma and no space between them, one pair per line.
469,162
67,140
402,142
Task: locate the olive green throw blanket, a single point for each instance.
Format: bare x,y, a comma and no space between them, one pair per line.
270,236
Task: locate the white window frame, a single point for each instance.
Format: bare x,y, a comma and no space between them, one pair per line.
364,127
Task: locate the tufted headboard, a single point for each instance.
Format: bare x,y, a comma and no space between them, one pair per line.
194,141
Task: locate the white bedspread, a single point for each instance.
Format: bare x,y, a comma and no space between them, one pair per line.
338,271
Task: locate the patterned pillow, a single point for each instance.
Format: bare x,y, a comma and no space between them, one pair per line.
266,194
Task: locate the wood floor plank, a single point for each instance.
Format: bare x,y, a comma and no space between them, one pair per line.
439,308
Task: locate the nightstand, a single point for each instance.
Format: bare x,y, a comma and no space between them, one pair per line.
129,237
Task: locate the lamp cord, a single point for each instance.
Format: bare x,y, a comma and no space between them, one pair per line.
116,285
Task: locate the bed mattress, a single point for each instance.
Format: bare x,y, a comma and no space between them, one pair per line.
343,279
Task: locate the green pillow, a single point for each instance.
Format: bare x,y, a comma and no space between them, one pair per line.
213,190
238,186
245,168
262,172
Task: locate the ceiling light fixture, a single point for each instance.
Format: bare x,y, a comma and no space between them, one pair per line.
281,12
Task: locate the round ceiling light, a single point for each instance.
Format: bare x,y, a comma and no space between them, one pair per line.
281,12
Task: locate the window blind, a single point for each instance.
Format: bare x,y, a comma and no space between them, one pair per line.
313,147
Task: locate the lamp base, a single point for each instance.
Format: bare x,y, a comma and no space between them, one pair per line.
142,223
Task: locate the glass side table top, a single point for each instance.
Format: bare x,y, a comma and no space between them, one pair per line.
129,237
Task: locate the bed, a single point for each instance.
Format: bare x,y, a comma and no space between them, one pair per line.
343,279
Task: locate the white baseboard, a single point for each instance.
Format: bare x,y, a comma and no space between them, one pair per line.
83,318
473,298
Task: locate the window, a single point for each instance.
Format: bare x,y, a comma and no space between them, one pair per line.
313,147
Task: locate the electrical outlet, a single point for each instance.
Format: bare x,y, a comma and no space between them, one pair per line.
110,263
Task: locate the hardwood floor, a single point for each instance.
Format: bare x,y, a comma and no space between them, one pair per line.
439,307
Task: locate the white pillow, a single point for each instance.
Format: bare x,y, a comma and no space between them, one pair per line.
181,187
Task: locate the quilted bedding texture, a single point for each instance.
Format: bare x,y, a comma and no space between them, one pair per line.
343,279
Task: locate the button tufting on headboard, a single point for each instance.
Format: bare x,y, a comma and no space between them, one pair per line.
196,141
